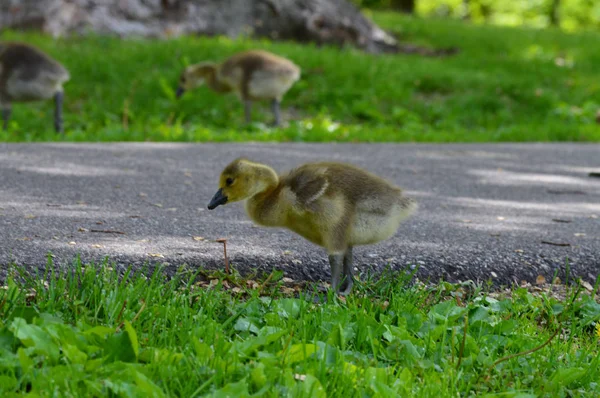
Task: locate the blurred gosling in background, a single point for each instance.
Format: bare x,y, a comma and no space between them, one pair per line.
253,75
27,74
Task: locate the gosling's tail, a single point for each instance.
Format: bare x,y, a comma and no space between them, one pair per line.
408,205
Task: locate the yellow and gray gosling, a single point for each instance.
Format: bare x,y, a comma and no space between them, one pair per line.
334,205
27,74
252,75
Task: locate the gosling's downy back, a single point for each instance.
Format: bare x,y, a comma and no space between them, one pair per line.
29,63
253,60
357,186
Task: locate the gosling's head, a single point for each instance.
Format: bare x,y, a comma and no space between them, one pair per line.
194,76
242,179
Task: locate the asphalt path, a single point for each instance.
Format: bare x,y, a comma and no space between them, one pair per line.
496,212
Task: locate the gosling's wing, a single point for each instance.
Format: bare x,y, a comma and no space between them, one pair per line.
308,186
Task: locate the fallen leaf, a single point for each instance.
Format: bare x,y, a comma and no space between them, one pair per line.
143,195
540,280
213,282
236,290
587,286
157,204
156,255
579,234
30,216
81,229
519,251
288,291
25,238
287,252
198,238
172,209
98,246
72,243
556,281
500,218
142,240
287,280
252,284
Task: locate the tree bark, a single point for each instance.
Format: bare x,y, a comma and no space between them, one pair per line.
323,21
554,14
405,6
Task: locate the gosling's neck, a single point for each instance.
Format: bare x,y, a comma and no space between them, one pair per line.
262,204
214,83
267,180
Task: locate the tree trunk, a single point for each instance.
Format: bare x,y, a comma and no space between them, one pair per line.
405,6
323,21
554,15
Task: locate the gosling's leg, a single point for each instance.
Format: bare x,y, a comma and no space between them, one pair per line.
275,107
348,278
6,111
248,110
58,114
336,261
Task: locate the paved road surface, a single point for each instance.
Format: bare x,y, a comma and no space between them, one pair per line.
485,210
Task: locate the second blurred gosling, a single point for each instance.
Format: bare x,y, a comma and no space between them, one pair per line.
253,75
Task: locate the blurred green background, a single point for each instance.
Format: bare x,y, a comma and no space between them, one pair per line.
505,83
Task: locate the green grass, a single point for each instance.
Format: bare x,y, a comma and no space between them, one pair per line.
506,84
94,332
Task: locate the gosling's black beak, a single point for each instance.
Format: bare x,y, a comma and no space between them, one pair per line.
179,92
217,200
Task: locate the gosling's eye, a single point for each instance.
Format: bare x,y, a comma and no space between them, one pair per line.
229,181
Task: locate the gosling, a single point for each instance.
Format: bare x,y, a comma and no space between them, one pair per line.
333,205
252,75
28,74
